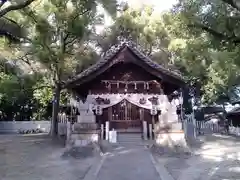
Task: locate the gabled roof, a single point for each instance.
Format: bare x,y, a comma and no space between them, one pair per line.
114,51
212,109
233,111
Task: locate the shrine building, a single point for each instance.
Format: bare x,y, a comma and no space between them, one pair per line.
126,89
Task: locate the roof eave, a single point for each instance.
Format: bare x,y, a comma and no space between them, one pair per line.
139,54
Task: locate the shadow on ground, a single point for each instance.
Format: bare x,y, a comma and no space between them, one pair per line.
215,157
39,157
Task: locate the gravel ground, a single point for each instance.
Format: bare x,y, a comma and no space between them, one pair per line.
215,157
37,157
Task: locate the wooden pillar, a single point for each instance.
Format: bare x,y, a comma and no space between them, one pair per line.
153,127
107,130
144,130
141,111
125,110
109,116
68,133
150,131
102,131
153,121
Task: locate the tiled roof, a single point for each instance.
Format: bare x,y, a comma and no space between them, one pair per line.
113,51
155,65
234,110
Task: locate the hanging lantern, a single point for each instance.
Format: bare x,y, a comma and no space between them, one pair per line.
99,100
99,110
153,100
180,100
106,101
142,101
154,110
147,85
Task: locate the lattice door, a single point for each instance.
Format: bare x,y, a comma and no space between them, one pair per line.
125,115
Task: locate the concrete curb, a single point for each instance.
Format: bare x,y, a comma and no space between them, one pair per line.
162,171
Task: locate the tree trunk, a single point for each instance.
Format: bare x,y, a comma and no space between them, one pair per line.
55,110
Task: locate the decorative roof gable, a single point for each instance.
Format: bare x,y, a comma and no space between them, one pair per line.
113,51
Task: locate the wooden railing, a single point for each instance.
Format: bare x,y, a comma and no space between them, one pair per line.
210,127
62,118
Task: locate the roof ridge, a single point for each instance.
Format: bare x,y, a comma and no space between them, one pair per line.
159,66
108,55
114,50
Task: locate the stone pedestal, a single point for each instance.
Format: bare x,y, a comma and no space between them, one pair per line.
144,130
84,139
169,134
171,138
82,134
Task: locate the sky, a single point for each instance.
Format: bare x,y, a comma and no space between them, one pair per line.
158,5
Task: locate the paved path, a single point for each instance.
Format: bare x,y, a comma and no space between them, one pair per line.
128,164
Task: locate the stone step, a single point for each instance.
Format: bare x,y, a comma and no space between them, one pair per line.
127,140
130,139
129,136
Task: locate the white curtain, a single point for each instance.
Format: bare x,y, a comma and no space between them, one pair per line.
163,102
114,99
168,109
132,98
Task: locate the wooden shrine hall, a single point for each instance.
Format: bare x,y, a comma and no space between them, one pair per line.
125,88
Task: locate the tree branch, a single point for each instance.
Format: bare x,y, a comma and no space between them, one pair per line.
70,42
232,3
15,7
30,13
40,87
26,60
2,3
234,39
68,34
35,88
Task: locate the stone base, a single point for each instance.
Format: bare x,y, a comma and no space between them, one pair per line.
171,139
82,145
80,152
171,143
79,140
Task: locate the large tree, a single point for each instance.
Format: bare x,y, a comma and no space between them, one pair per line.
143,28
10,28
168,40
219,21
219,18
57,39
